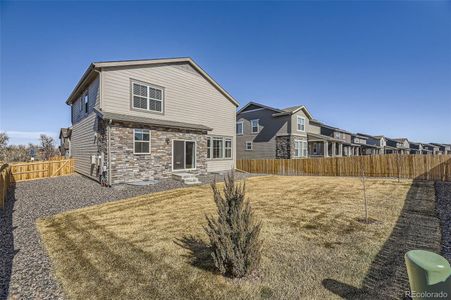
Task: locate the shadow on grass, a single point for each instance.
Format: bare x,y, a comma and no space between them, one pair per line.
7,251
416,228
199,252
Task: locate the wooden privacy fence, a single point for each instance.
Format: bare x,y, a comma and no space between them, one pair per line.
425,167
5,182
41,169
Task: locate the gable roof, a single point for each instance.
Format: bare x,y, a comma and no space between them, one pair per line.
252,103
294,109
65,132
278,112
95,67
367,135
317,122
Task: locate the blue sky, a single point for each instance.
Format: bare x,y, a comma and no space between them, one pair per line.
373,67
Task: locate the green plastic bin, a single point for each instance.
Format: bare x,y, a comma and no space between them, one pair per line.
429,275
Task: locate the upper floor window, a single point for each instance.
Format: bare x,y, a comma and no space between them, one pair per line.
80,104
141,141
255,127
239,128
301,123
86,102
147,97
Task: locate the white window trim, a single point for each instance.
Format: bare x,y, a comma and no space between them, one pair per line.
297,123
303,148
148,98
231,147
85,104
224,138
252,146
258,126
150,139
184,154
242,128
80,107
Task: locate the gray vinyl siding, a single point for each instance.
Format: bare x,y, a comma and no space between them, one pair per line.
94,100
188,97
84,144
264,143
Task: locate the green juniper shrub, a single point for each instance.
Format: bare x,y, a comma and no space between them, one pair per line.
234,234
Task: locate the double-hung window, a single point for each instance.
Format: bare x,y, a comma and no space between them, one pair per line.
248,146
239,128
301,123
141,141
300,148
219,147
254,126
147,97
228,148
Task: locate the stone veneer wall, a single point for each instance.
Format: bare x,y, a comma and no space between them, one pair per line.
283,147
127,166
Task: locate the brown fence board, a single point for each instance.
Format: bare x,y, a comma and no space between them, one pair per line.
41,169
427,167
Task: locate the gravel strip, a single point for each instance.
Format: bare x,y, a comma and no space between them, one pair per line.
443,196
25,268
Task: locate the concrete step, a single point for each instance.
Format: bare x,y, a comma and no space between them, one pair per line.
182,176
186,178
190,181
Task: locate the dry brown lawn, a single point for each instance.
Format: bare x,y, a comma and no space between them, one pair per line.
315,247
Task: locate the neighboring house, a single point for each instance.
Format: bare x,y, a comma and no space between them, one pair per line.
429,149
370,145
388,145
442,148
403,145
265,132
64,137
415,148
325,140
146,119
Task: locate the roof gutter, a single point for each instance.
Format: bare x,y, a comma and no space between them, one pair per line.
82,80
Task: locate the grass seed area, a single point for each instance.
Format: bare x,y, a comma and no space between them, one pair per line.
315,244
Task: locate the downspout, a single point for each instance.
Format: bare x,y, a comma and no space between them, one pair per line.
109,152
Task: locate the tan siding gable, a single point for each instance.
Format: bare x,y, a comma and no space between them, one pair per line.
188,98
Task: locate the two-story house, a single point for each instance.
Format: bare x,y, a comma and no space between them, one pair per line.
264,132
403,145
64,137
325,141
442,148
369,144
146,119
415,148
